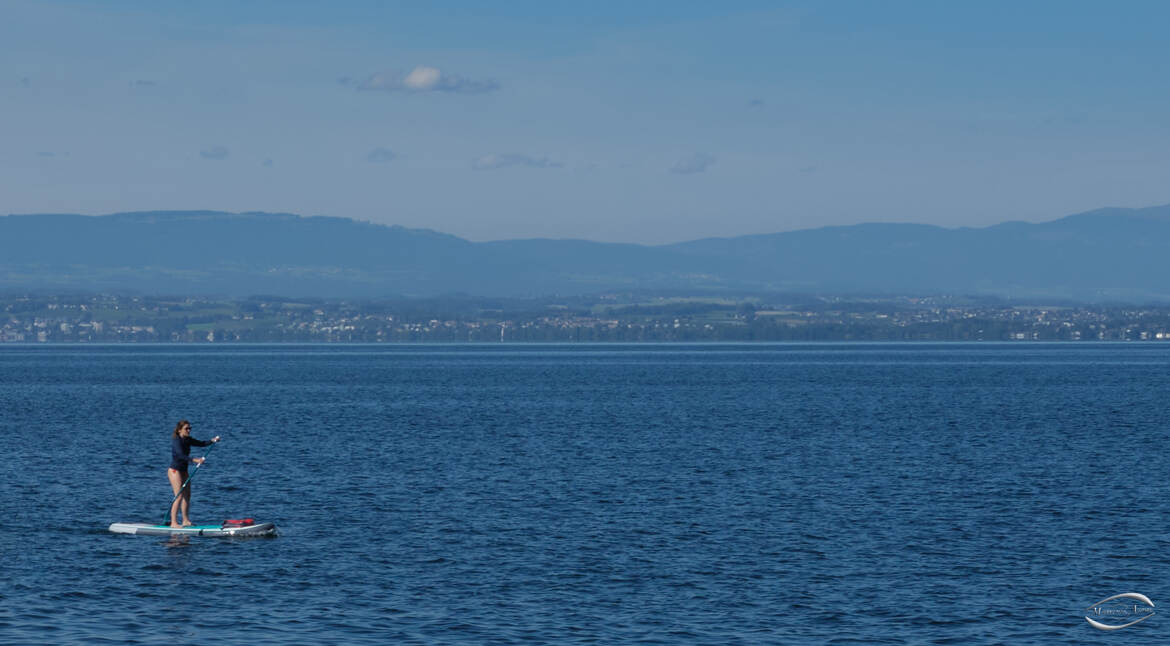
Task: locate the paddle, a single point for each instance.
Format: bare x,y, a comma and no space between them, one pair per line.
167,518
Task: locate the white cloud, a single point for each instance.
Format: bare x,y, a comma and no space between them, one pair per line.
504,160
696,163
422,78
425,79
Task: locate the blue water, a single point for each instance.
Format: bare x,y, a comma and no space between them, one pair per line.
923,494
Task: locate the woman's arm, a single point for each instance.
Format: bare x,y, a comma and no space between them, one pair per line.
195,442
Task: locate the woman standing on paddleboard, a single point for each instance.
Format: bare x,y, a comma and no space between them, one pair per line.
181,443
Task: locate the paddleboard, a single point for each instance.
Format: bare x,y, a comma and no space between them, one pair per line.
223,529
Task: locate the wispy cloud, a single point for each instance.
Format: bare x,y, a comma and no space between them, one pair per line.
216,153
381,155
696,163
505,160
424,79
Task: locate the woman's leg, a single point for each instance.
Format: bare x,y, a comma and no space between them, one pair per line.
187,505
176,479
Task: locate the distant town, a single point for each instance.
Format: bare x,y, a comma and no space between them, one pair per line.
26,318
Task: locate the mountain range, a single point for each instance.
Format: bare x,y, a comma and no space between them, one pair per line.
1108,254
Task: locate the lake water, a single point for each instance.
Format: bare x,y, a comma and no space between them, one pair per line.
712,494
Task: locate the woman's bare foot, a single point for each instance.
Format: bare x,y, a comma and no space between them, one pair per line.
187,523
176,526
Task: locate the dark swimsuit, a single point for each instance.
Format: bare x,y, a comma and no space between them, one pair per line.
181,452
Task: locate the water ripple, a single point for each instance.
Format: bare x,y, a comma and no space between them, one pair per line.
876,494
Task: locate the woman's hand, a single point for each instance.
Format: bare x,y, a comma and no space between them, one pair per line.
198,460
215,439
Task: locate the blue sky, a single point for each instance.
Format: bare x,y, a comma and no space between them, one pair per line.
645,122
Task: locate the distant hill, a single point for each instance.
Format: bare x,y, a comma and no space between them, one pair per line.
1108,254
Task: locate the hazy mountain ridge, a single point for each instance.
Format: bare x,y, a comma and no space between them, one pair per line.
1103,254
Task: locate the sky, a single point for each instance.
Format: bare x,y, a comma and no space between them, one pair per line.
644,122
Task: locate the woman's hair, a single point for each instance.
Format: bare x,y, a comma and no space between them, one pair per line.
180,425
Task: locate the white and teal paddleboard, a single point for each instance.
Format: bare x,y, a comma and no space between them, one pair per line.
224,529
